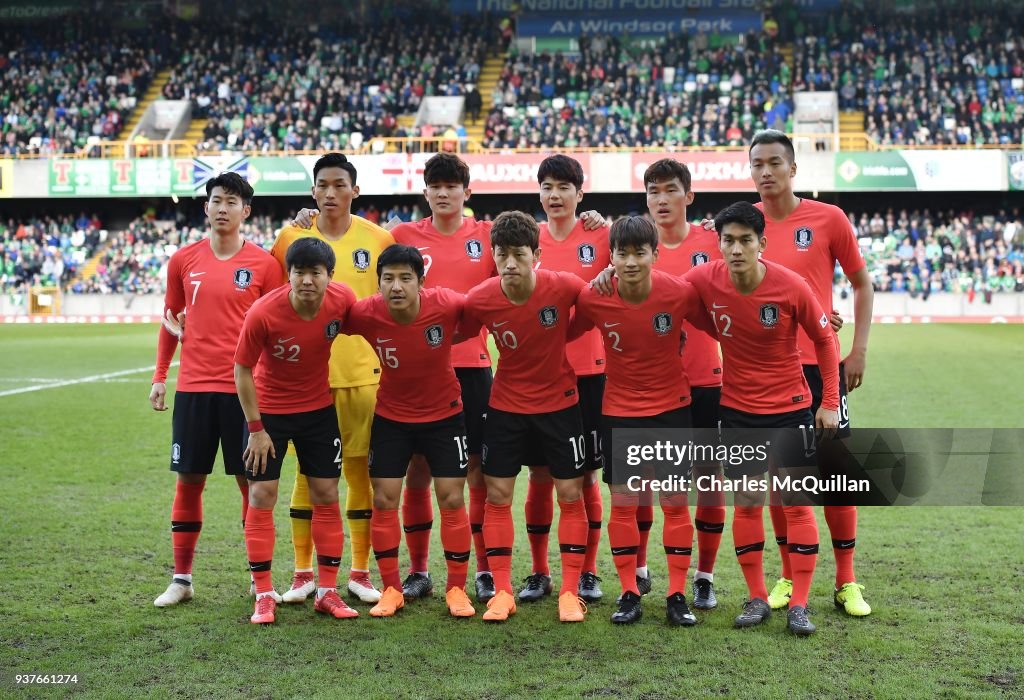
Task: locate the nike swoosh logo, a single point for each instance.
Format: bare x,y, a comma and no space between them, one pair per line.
423,248
285,340
809,453
195,274
499,325
844,545
619,551
843,425
579,466
612,325
803,550
383,340
748,548
719,306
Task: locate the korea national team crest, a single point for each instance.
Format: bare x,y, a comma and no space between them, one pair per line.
474,249
548,316
243,277
361,259
803,237
332,329
662,323
769,315
435,335
586,253
699,258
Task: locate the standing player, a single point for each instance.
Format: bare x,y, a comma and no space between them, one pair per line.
683,247
569,246
532,405
213,282
809,238
757,307
454,249
289,334
419,411
354,373
641,322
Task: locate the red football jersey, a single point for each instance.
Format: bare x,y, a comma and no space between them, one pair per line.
585,254
417,384
763,373
215,295
458,262
645,377
701,360
533,374
292,354
809,242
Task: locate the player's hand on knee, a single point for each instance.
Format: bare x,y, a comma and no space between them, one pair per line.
158,396
826,423
304,219
591,220
256,451
602,284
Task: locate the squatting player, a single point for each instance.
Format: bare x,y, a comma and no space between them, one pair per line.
528,312
641,325
809,237
757,307
289,334
419,411
213,282
576,246
354,372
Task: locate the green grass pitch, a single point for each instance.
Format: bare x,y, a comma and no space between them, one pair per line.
85,500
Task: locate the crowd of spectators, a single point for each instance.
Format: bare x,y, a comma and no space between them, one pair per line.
265,87
954,76
704,89
46,251
64,82
923,252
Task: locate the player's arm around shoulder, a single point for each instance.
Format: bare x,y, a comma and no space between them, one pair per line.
693,308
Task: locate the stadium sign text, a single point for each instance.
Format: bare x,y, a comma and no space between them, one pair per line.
575,6
652,23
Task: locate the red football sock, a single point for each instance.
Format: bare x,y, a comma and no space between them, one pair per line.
644,522
186,523
842,526
385,537
417,521
748,536
594,503
477,498
259,544
572,542
244,488
677,534
709,521
803,550
499,534
455,540
781,538
540,511
329,540
624,538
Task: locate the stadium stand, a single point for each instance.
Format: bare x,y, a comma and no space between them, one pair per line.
64,83
950,77
45,251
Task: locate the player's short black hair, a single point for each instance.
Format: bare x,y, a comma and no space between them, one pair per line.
561,168
335,160
773,136
667,169
632,232
309,252
743,213
513,229
398,254
231,183
446,167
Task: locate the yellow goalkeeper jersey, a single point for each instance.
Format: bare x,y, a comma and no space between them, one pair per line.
353,361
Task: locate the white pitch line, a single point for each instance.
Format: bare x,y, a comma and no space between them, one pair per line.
83,380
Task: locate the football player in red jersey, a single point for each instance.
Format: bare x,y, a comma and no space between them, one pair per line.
214,282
